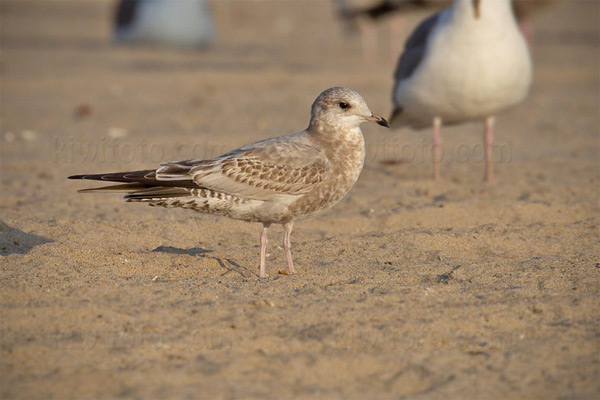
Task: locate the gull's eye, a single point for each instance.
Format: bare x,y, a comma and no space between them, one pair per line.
343,105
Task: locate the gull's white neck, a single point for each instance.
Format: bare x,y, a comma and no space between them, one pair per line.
489,10
332,126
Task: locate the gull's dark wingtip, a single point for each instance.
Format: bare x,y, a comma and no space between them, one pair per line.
97,177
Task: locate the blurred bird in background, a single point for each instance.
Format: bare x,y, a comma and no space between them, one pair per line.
466,63
179,23
364,16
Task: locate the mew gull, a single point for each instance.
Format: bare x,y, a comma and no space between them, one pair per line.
466,63
273,181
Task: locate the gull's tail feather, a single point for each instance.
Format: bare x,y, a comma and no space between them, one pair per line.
141,192
158,193
122,188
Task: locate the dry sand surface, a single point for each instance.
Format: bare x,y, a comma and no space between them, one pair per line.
405,289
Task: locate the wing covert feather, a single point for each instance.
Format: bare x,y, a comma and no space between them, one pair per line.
277,166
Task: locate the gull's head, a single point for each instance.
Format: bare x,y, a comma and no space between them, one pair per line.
341,108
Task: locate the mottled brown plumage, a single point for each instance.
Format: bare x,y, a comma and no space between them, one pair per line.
277,180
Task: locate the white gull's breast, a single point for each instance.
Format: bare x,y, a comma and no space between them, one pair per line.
470,70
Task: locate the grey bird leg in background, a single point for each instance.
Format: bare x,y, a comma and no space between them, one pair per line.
436,149
263,250
396,35
488,144
368,34
287,245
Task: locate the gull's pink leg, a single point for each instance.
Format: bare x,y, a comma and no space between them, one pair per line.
396,27
287,245
528,32
368,35
263,250
488,144
436,150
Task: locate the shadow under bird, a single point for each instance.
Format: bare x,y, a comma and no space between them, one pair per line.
466,63
273,181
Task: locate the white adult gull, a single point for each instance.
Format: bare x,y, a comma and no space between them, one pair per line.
466,63
273,181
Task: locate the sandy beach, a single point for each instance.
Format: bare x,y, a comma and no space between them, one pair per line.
408,288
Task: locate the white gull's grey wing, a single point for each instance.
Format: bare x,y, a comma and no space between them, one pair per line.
414,51
414,48
262,170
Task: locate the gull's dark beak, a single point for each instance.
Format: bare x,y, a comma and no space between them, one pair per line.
378,120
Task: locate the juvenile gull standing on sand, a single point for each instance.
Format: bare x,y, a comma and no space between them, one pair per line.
466,63
273,181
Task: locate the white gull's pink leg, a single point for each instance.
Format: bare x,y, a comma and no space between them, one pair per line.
263,250
396,28
436,150
287,245
488,144
368,34
528,32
